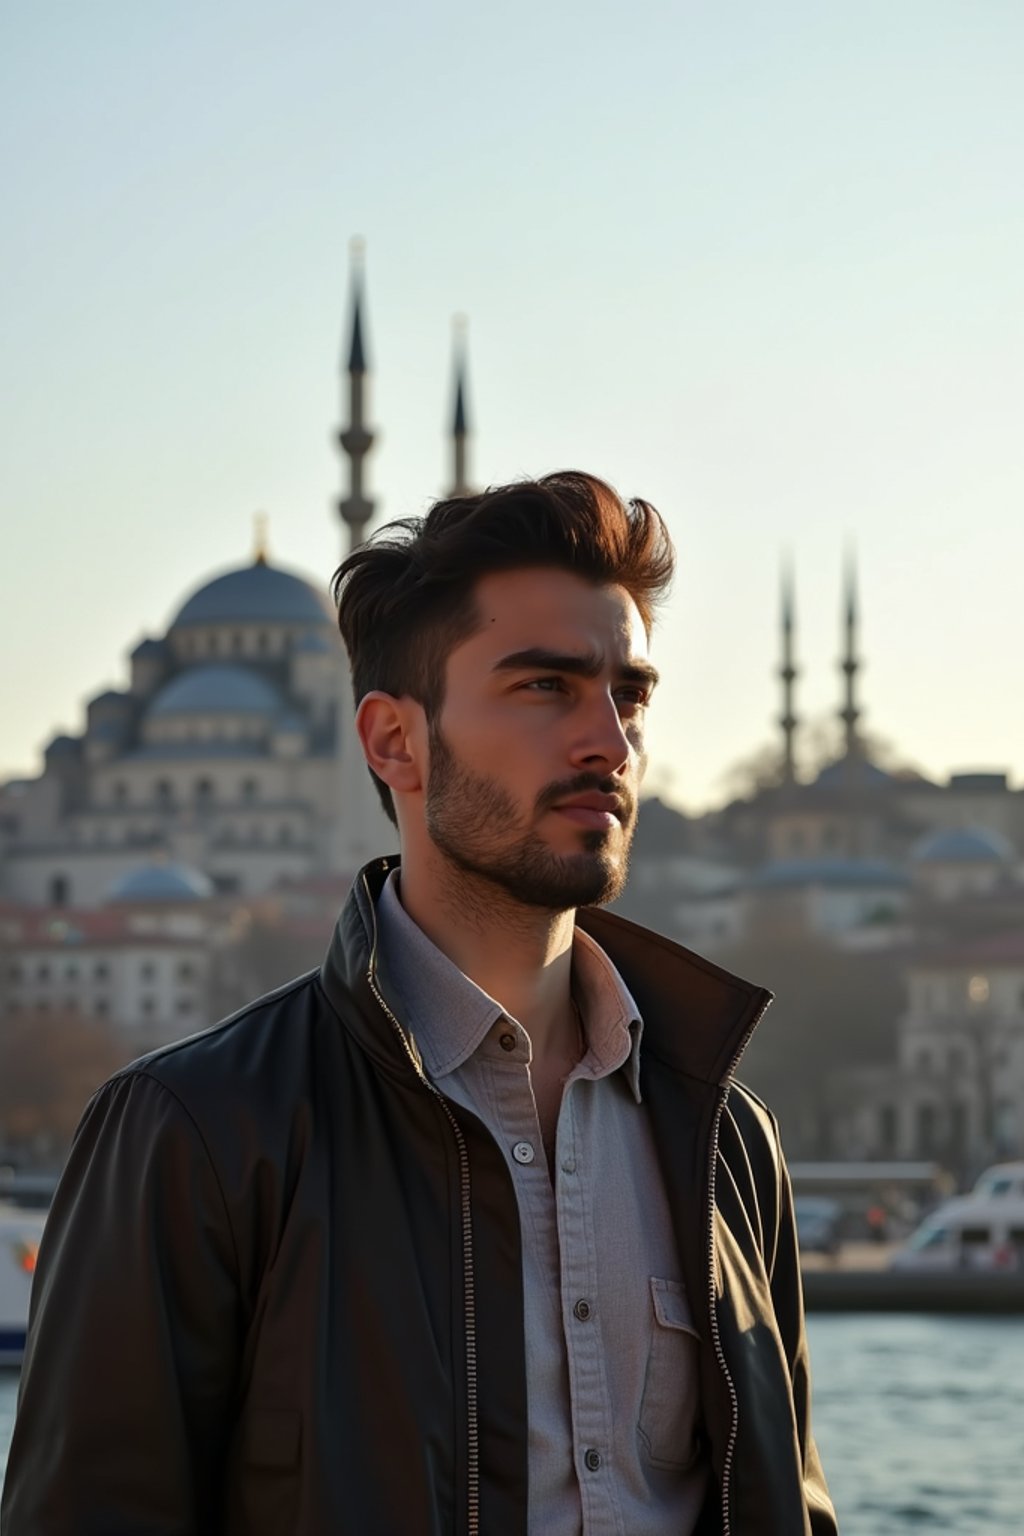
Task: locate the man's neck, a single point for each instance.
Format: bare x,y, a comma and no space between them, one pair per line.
521,956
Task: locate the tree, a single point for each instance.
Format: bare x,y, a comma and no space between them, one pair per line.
50,1065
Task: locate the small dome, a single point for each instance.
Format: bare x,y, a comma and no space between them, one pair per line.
848,772
63,746
148,648
257,594
215,689
161,882
964,845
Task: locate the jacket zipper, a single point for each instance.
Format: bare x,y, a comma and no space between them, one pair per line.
716,1336
468,1272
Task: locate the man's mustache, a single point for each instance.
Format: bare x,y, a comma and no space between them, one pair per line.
586,783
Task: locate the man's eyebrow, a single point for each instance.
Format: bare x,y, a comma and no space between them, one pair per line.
587,665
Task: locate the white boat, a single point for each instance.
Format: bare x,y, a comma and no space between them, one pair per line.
979,1231
20,1232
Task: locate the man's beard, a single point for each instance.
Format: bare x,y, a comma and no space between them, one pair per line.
474,822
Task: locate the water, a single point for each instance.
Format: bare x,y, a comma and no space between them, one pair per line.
920,1423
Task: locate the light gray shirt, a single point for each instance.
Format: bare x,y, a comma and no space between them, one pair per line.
611,1365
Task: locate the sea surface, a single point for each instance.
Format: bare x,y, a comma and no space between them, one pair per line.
919,1420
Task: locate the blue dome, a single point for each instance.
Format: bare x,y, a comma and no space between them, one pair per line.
215,689
257,594
964,845
161,882
64,746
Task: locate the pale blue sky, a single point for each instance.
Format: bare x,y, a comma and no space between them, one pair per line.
760,264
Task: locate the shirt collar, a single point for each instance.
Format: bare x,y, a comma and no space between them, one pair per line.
450,1017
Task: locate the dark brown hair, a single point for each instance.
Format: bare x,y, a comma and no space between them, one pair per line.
405,598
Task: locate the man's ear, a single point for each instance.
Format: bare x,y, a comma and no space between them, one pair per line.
388,728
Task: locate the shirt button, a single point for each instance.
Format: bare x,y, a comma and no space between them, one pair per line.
582,1309
592,1460
522,1152
507,1042
569,1165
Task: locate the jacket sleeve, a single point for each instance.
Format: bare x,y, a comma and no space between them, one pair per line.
787,1296
126,1394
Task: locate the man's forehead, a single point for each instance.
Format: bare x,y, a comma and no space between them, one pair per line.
557,609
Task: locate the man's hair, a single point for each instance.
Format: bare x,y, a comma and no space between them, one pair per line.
405,598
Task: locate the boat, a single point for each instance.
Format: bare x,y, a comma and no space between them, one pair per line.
20,1232
977,1231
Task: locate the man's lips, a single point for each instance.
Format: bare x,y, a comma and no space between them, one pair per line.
592,810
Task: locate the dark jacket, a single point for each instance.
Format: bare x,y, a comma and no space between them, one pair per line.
280,1287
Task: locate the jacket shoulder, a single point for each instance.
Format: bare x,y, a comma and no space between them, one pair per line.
255,1059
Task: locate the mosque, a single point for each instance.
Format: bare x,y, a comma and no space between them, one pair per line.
229,763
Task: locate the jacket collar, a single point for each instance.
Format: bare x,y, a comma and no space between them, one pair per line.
697,1017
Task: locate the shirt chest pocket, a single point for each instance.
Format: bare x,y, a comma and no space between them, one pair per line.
668,1408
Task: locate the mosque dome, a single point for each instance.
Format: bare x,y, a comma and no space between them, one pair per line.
256,594
161,882
216,689
964,845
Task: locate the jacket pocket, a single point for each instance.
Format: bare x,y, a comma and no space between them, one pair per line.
668,1408
263,1499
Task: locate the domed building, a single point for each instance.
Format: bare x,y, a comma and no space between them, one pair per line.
222,755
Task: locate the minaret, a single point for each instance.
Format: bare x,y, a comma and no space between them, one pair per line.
788,675
360,831
356,439
261,542
460,485
850,665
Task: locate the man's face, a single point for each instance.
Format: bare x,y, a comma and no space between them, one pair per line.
537,755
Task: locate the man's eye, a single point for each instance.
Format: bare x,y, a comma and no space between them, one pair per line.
545,684
637,696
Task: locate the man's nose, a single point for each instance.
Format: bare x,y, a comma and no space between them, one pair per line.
601,736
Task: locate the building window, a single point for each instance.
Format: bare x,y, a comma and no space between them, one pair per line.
119,793
101,970
978,990
148,1006
42,971
147,970
263,641
71,971
186,971
60,891
284,833
204,791
14,972
101,1007
250,789
185,1005
887,1127
926,1126
164,792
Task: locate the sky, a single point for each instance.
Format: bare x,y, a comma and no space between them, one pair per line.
761,265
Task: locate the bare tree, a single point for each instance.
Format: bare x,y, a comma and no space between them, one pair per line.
50,1065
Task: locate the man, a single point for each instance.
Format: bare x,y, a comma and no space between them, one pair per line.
472,1231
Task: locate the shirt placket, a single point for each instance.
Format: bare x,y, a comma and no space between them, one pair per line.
588,1386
